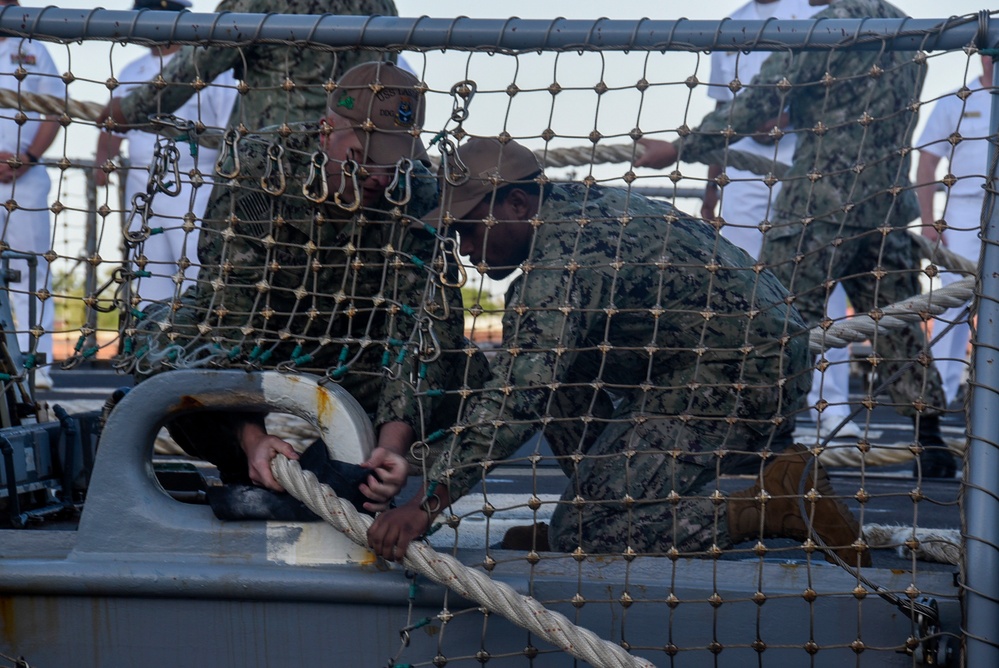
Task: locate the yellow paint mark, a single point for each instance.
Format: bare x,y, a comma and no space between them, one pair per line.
325,406
369,558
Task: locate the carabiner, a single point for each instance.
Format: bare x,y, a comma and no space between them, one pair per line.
428,352
456,174
166,160
440,311
140,203
317,181
466,91
229,149
403,177
449,246
349,170
275,164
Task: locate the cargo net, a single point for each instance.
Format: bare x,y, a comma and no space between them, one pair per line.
629,393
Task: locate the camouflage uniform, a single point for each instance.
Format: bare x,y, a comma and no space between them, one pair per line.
627,299
846,199
263,67
290,283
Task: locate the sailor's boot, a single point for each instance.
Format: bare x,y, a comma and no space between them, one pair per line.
935,460
775,509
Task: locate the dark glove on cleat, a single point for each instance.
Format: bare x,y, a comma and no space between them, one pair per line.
248,502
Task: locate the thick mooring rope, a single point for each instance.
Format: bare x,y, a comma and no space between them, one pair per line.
940,545
445,570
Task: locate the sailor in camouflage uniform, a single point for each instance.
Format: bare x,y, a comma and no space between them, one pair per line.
265,69
314,259
846,199
626,297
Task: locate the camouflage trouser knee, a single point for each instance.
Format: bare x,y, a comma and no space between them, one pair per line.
823,252
630,490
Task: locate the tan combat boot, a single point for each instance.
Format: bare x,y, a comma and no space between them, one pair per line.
832,521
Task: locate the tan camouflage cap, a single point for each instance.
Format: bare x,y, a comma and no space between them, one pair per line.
387,106
491,165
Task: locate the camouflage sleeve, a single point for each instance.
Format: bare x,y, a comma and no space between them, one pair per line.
548,315
190,63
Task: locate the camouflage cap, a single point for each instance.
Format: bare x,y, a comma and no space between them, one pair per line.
491,165
388,108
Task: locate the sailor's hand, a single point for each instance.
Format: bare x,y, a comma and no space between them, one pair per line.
261,448
392,531
388,476
658,154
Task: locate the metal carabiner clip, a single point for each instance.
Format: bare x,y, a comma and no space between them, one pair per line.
449,246
140,206
229,150
317,188
349,170
166,162
428,352
440,311
456,174
275,165
403,177
465,90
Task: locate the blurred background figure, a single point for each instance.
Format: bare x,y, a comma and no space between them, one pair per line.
212,106
967,161
23,179
747,201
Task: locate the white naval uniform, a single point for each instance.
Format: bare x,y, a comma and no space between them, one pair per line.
27,229
748,200
213,106
967,161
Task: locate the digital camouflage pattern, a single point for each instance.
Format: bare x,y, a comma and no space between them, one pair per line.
289,283
846,198
629,299
265,68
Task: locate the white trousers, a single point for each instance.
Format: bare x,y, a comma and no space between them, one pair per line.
27,230
950,351
748,203
165,249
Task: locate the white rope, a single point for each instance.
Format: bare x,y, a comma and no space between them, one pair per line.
879,455
940,545
445,570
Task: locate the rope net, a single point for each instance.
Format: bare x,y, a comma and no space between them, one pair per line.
599,359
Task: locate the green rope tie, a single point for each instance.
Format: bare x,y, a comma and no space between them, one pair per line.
408,310
137,314
266,356
386,358
434,393
255,353
142,273
6,376
192,143
142,351
417,261
31,361
401,357
423,371
129,344
339,372
301,359
156,230
344,354
79,343
90,352
436,436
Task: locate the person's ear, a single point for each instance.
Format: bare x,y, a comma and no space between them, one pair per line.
520,204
